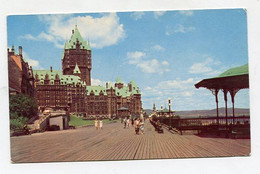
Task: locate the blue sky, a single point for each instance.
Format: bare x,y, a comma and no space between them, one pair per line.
165,52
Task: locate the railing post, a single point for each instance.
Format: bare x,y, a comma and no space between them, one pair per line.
225,98
215,93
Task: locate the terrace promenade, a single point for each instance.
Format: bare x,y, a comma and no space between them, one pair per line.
116,143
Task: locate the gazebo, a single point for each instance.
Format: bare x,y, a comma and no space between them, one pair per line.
123,112
164,112
231,81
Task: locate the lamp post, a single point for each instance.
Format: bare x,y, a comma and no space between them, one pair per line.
161,113
169,103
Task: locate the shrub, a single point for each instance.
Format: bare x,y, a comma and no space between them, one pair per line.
22,105
22,108
17,123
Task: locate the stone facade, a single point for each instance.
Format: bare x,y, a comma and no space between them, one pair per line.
20,74
71,89
77,52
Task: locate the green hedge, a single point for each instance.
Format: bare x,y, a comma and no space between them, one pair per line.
22,108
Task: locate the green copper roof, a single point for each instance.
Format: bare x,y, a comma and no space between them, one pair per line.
118,80
76,69
164,110
64,79
76,36
96,90
110,85
124,92
241,70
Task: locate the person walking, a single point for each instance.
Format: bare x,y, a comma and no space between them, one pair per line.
128,122
96,123
136,125
132,120
101,124
125,122
142,127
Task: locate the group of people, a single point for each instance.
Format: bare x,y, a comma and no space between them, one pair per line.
137,124
100,124
126,122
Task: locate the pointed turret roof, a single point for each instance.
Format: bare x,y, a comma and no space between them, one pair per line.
76,36
76,70
118,80
133,83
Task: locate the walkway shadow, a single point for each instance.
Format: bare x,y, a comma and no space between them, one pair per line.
221,135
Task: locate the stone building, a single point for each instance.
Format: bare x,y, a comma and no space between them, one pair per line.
77,56
20,74
71,89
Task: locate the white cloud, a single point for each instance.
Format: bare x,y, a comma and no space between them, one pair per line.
135,57
165,63
44,37
157,14
186,12
28,37
31,62
137,15
148,88
208,67
182,29
97,82
175,84
158,47
181,92
148,66
179,29
101,31
202,67
187,93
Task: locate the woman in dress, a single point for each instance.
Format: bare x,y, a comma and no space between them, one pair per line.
101,124
96,124
137,124
142,127
128,122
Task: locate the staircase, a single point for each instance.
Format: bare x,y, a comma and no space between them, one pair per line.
39,124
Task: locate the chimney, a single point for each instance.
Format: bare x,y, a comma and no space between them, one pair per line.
51,68
20,50
72,31
130,87
12,50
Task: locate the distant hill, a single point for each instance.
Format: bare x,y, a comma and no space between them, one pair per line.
205,113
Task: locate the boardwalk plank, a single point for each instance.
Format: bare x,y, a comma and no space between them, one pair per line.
116,143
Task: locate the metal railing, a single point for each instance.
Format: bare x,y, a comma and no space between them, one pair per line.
208,124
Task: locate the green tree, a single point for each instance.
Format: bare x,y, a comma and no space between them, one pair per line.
22,108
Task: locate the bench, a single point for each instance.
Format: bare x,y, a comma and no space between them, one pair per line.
241,132
158,128
19,132
185,128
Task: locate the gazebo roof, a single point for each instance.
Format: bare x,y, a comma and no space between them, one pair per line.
123,109
241,70
234,78
164,110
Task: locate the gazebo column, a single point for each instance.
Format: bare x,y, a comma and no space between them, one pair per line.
225,98
232,94
215,93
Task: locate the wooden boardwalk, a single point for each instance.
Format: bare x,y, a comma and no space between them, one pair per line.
116,143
